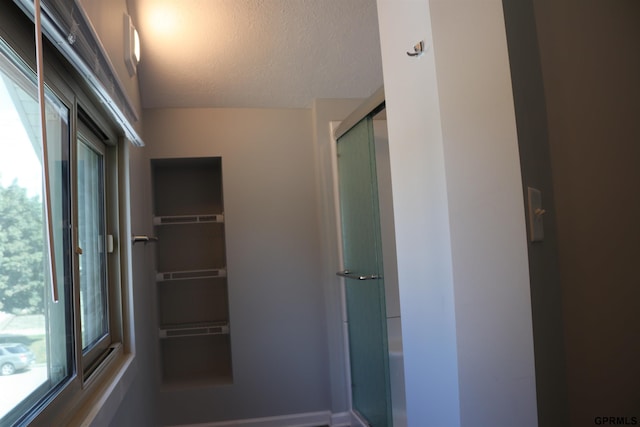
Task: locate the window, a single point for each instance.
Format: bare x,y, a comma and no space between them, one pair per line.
92,246
52,352
27,312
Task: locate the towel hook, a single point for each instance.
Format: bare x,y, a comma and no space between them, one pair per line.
418,49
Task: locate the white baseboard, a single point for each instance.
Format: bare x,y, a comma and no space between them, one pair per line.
341,419
310,419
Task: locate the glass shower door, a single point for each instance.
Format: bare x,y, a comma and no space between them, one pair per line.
362,251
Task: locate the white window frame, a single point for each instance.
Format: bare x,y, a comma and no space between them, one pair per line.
86,398
84,135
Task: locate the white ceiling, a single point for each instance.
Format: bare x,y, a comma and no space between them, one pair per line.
256,53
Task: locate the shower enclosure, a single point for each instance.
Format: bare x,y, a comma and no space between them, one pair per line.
363,271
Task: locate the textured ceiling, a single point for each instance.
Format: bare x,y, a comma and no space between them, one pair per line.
256,53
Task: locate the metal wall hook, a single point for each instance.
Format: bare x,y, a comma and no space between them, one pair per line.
539,212
418,49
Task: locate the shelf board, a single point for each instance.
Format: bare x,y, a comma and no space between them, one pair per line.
188,219
200,381
193,329
212,273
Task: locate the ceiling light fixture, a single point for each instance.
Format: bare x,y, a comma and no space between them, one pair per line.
131,46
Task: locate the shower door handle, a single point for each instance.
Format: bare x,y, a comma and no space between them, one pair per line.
351,275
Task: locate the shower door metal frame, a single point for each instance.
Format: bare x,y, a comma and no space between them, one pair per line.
372,282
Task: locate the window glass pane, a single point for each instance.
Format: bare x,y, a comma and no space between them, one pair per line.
91,238
35,333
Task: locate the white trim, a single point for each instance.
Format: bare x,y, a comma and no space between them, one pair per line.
336,206
309,419
366,108
341,419
343,296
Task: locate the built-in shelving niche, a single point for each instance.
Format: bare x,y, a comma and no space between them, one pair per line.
191,278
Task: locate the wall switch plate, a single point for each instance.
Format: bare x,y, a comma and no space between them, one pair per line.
536,212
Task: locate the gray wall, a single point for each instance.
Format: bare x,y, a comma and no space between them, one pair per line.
138,407
459,217
575,68
590,55
533,143
590,64
277,316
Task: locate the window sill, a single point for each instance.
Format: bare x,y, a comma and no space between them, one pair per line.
108,393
